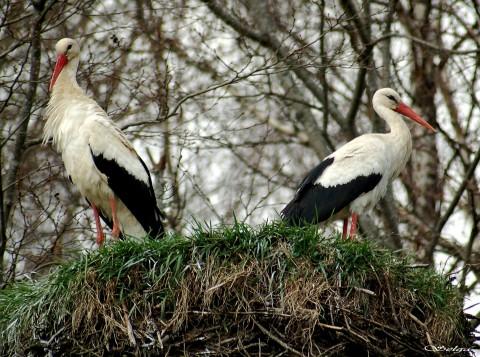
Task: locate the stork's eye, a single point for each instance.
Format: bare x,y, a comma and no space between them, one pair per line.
391,97
69,47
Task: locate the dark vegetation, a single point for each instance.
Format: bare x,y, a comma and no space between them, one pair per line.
235,291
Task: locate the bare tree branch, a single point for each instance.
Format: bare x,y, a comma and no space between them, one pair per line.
35,55
456,198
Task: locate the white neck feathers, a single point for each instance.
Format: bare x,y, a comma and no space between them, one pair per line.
399,137
62,110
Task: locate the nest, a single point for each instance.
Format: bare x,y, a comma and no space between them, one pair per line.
235,291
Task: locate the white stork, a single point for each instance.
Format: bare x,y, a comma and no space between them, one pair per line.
98,158
352,180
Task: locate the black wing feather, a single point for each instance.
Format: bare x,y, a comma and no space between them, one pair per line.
135,194
314,203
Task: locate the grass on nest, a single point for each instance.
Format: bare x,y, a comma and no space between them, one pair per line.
166,280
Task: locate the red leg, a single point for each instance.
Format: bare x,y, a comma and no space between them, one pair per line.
116,225
353,227
345,228
100,235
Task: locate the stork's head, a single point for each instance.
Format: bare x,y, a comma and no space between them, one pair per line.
388,98
67,51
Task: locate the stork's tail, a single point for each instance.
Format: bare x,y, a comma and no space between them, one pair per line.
291,214
157,230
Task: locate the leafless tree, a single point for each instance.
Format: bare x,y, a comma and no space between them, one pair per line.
231,103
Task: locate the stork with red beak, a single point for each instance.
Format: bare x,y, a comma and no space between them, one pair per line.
354,178
98,158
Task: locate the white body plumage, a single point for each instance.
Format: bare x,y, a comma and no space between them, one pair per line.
94,150
384,154
355,177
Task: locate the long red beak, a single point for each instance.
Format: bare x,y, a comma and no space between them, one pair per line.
62,60
408,112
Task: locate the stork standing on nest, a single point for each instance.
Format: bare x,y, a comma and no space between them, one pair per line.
98,158
354,178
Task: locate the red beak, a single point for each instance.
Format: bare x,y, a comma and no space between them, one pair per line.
62,60
408,112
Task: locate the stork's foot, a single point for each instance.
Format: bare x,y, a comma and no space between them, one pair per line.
98,225
353,227
116,224
100,237
116,231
